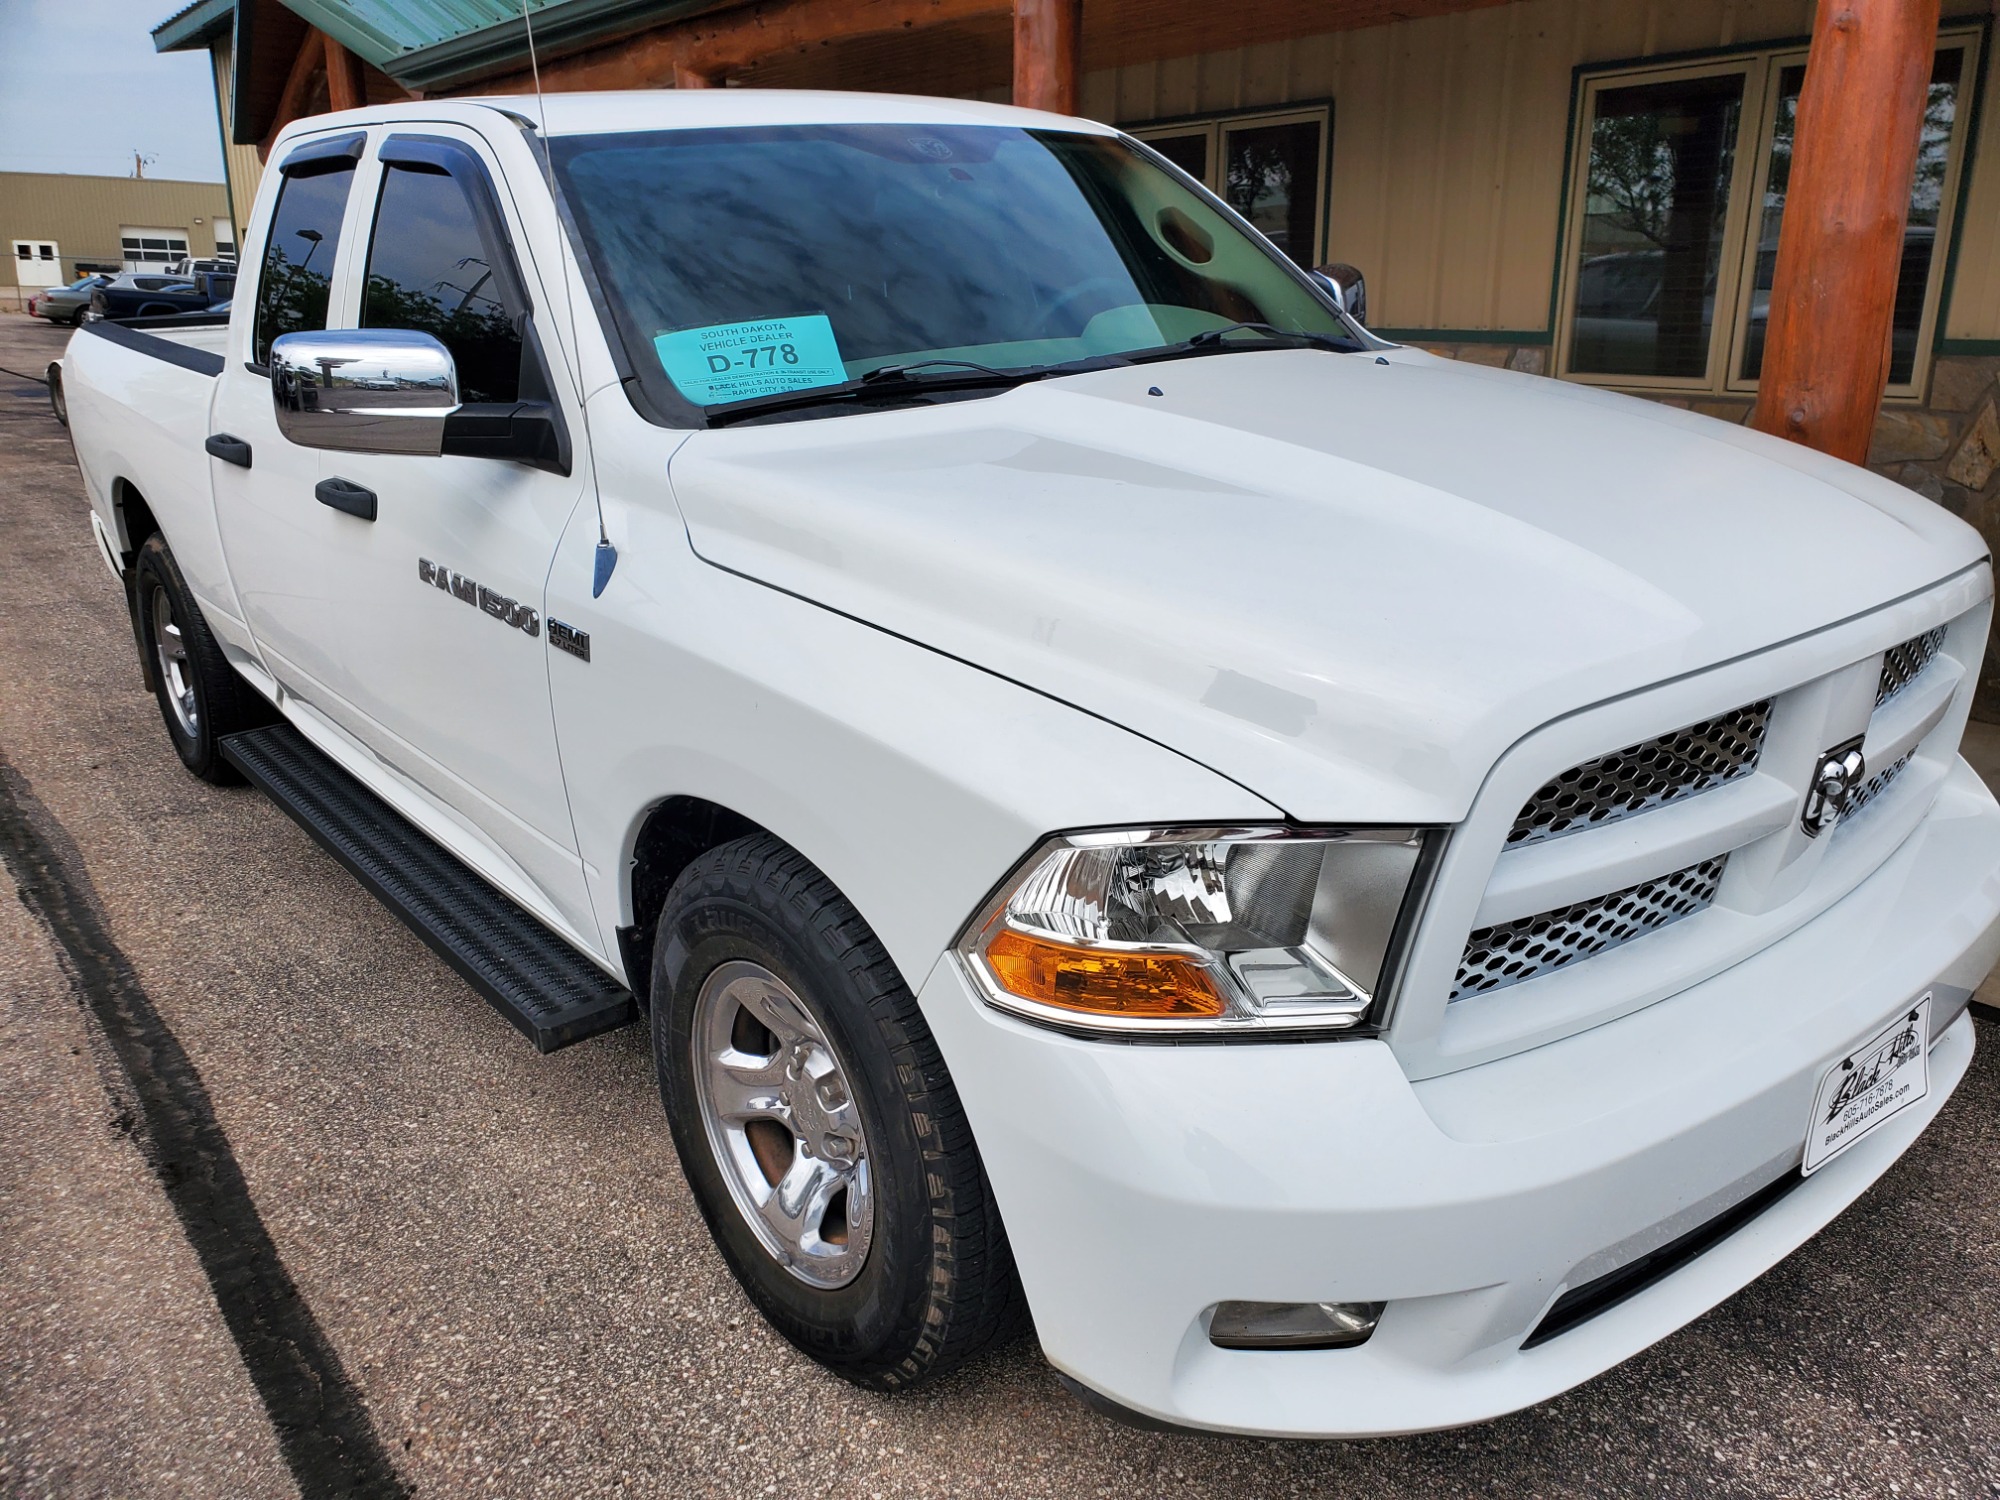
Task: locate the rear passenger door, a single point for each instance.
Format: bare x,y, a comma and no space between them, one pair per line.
258,477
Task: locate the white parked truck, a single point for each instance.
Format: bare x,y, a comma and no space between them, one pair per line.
1356,890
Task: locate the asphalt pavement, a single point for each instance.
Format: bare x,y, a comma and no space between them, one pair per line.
286,1209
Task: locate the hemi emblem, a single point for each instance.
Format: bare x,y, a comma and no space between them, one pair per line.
569,638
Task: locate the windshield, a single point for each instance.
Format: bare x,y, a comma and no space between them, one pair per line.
739,263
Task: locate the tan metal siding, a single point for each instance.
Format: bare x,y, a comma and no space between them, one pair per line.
246,167
1449,137
83,214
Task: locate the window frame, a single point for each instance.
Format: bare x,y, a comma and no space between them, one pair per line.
1217,125
471,160
1761,67
310,156
422,154
1752,70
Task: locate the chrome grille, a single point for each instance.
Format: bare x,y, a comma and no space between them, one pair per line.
1510,952
1644,776
1874,787
1904,664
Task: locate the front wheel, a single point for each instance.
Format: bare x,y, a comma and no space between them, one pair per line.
201,697
818,1126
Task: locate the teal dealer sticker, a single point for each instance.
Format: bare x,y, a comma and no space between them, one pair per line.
740,361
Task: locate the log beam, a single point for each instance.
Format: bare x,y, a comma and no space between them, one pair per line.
1048,47
702,53
1833,295
292,101
344,86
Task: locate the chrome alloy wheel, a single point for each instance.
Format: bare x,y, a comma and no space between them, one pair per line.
175,671
783,1124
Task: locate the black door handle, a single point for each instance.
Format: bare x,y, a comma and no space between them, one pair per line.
346,495
231,450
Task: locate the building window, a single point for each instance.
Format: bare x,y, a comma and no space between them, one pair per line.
146,248
1270,168
1675,208
225,238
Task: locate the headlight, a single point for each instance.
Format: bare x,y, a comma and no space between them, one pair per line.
1214,930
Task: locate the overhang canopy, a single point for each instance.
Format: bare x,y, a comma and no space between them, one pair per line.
433,45
446,46
196,26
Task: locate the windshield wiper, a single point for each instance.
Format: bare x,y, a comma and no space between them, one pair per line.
891,382
883,374
1212,340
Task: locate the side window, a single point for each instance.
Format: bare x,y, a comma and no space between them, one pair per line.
428,271
299,255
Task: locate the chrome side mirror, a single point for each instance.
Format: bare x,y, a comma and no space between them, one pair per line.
364,390
1348,286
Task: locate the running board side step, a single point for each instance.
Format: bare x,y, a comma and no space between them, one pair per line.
552,993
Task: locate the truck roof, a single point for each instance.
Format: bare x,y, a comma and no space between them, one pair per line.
694,109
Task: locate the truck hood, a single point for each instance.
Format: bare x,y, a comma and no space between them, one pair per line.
1348,582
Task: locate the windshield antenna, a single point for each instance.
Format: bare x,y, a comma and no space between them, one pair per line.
607,555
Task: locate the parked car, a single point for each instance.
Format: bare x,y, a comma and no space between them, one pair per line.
139,295
68,304
1344,882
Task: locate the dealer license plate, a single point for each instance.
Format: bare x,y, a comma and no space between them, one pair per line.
1871,1086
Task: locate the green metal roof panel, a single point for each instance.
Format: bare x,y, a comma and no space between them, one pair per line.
386,29
193,26
429,44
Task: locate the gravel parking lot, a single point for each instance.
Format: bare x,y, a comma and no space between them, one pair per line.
286,1208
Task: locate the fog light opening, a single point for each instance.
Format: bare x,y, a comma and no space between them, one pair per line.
1292,1325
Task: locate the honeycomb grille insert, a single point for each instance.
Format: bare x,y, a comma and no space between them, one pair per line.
1874,787
1904,664
1509,952
1644,776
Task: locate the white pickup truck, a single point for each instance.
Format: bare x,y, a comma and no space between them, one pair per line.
1398,884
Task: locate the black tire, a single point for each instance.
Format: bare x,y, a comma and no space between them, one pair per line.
938,1284
58,402
222,703
76,318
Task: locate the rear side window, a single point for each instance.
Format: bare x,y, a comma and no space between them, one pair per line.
298,257
428,271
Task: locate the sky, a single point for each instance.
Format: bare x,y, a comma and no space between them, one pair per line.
81,89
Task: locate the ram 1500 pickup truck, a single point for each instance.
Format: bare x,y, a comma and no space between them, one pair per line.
1357,891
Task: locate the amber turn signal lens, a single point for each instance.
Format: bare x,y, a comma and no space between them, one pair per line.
1166,986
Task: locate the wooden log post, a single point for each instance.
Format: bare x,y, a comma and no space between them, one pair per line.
344,86
1854,156
1048,52
310,59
